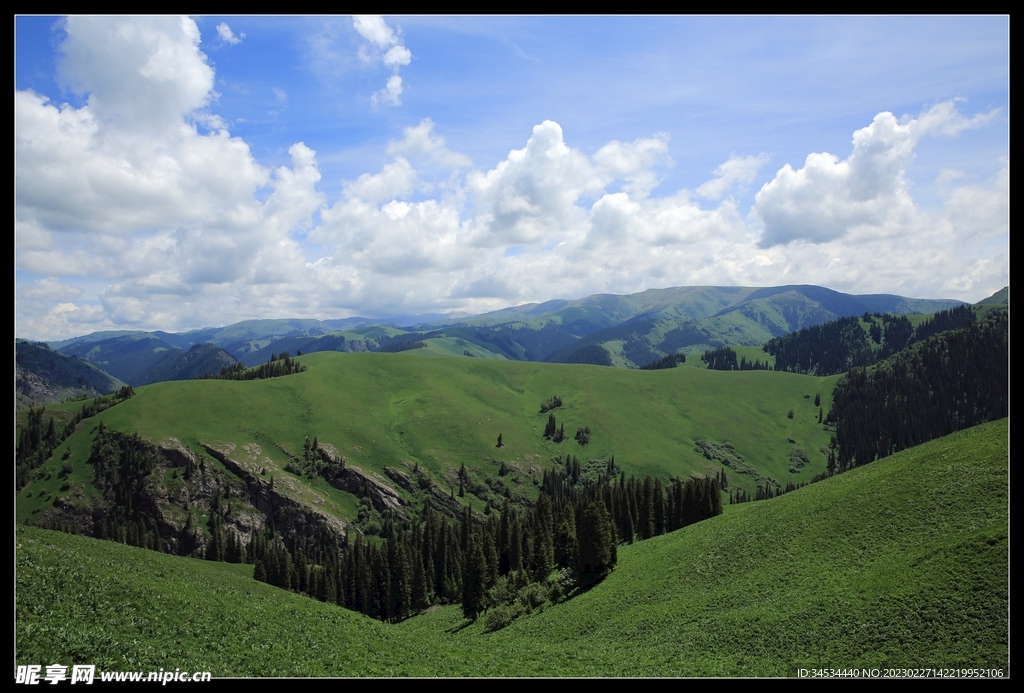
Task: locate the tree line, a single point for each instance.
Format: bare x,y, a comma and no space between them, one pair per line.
503,562
36,445
945,383
724,359
668,361
278,365
837,346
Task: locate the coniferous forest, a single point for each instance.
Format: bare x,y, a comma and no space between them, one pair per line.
945,383
36,445
567,541
510,561
277,366
837,346
724,359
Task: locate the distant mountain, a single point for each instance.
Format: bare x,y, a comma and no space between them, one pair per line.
200,360
94,337
141,358
634,329
44,376
640,328
294,345
132,357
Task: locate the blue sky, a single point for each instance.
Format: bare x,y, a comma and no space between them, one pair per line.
177,173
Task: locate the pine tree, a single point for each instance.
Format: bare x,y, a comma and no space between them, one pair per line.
596,540
472,579
567,544
543,539
551,428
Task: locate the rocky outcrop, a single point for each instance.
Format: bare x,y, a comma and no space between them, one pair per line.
287,514
346,477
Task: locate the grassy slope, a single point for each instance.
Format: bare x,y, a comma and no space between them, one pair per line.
902,563
382,409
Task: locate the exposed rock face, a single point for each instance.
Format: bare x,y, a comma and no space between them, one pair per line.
342,475
180,481
439,497
176,454
442,501
287,514
403,480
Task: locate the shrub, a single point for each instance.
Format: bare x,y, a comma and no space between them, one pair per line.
499,617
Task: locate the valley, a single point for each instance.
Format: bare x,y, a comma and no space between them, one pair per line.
378,448
900,563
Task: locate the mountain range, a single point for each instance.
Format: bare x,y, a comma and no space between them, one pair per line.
620,330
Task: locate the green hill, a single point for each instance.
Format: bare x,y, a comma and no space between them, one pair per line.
388,413
1001,297
639,328
900,563
45,376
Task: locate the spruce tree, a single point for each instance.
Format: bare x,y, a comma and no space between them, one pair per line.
596,540
472,579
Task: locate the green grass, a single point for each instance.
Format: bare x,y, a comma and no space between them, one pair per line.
901,563
388,409
456,346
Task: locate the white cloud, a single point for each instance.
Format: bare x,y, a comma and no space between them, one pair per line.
385,46
543,223
524,230
130,215
374,29
397,55
396,180
75,172
636,162
831,198
944,119
420,141
736,171
532,195
140,72
227,36
390,95
49,289
136,196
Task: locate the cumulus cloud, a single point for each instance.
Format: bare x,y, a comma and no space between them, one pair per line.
140,72
75,171
532,194
126,189
133,215
384,45
736,171
635,162
228,36
541,223
390,95
50,289
550,220
866,193
419,141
